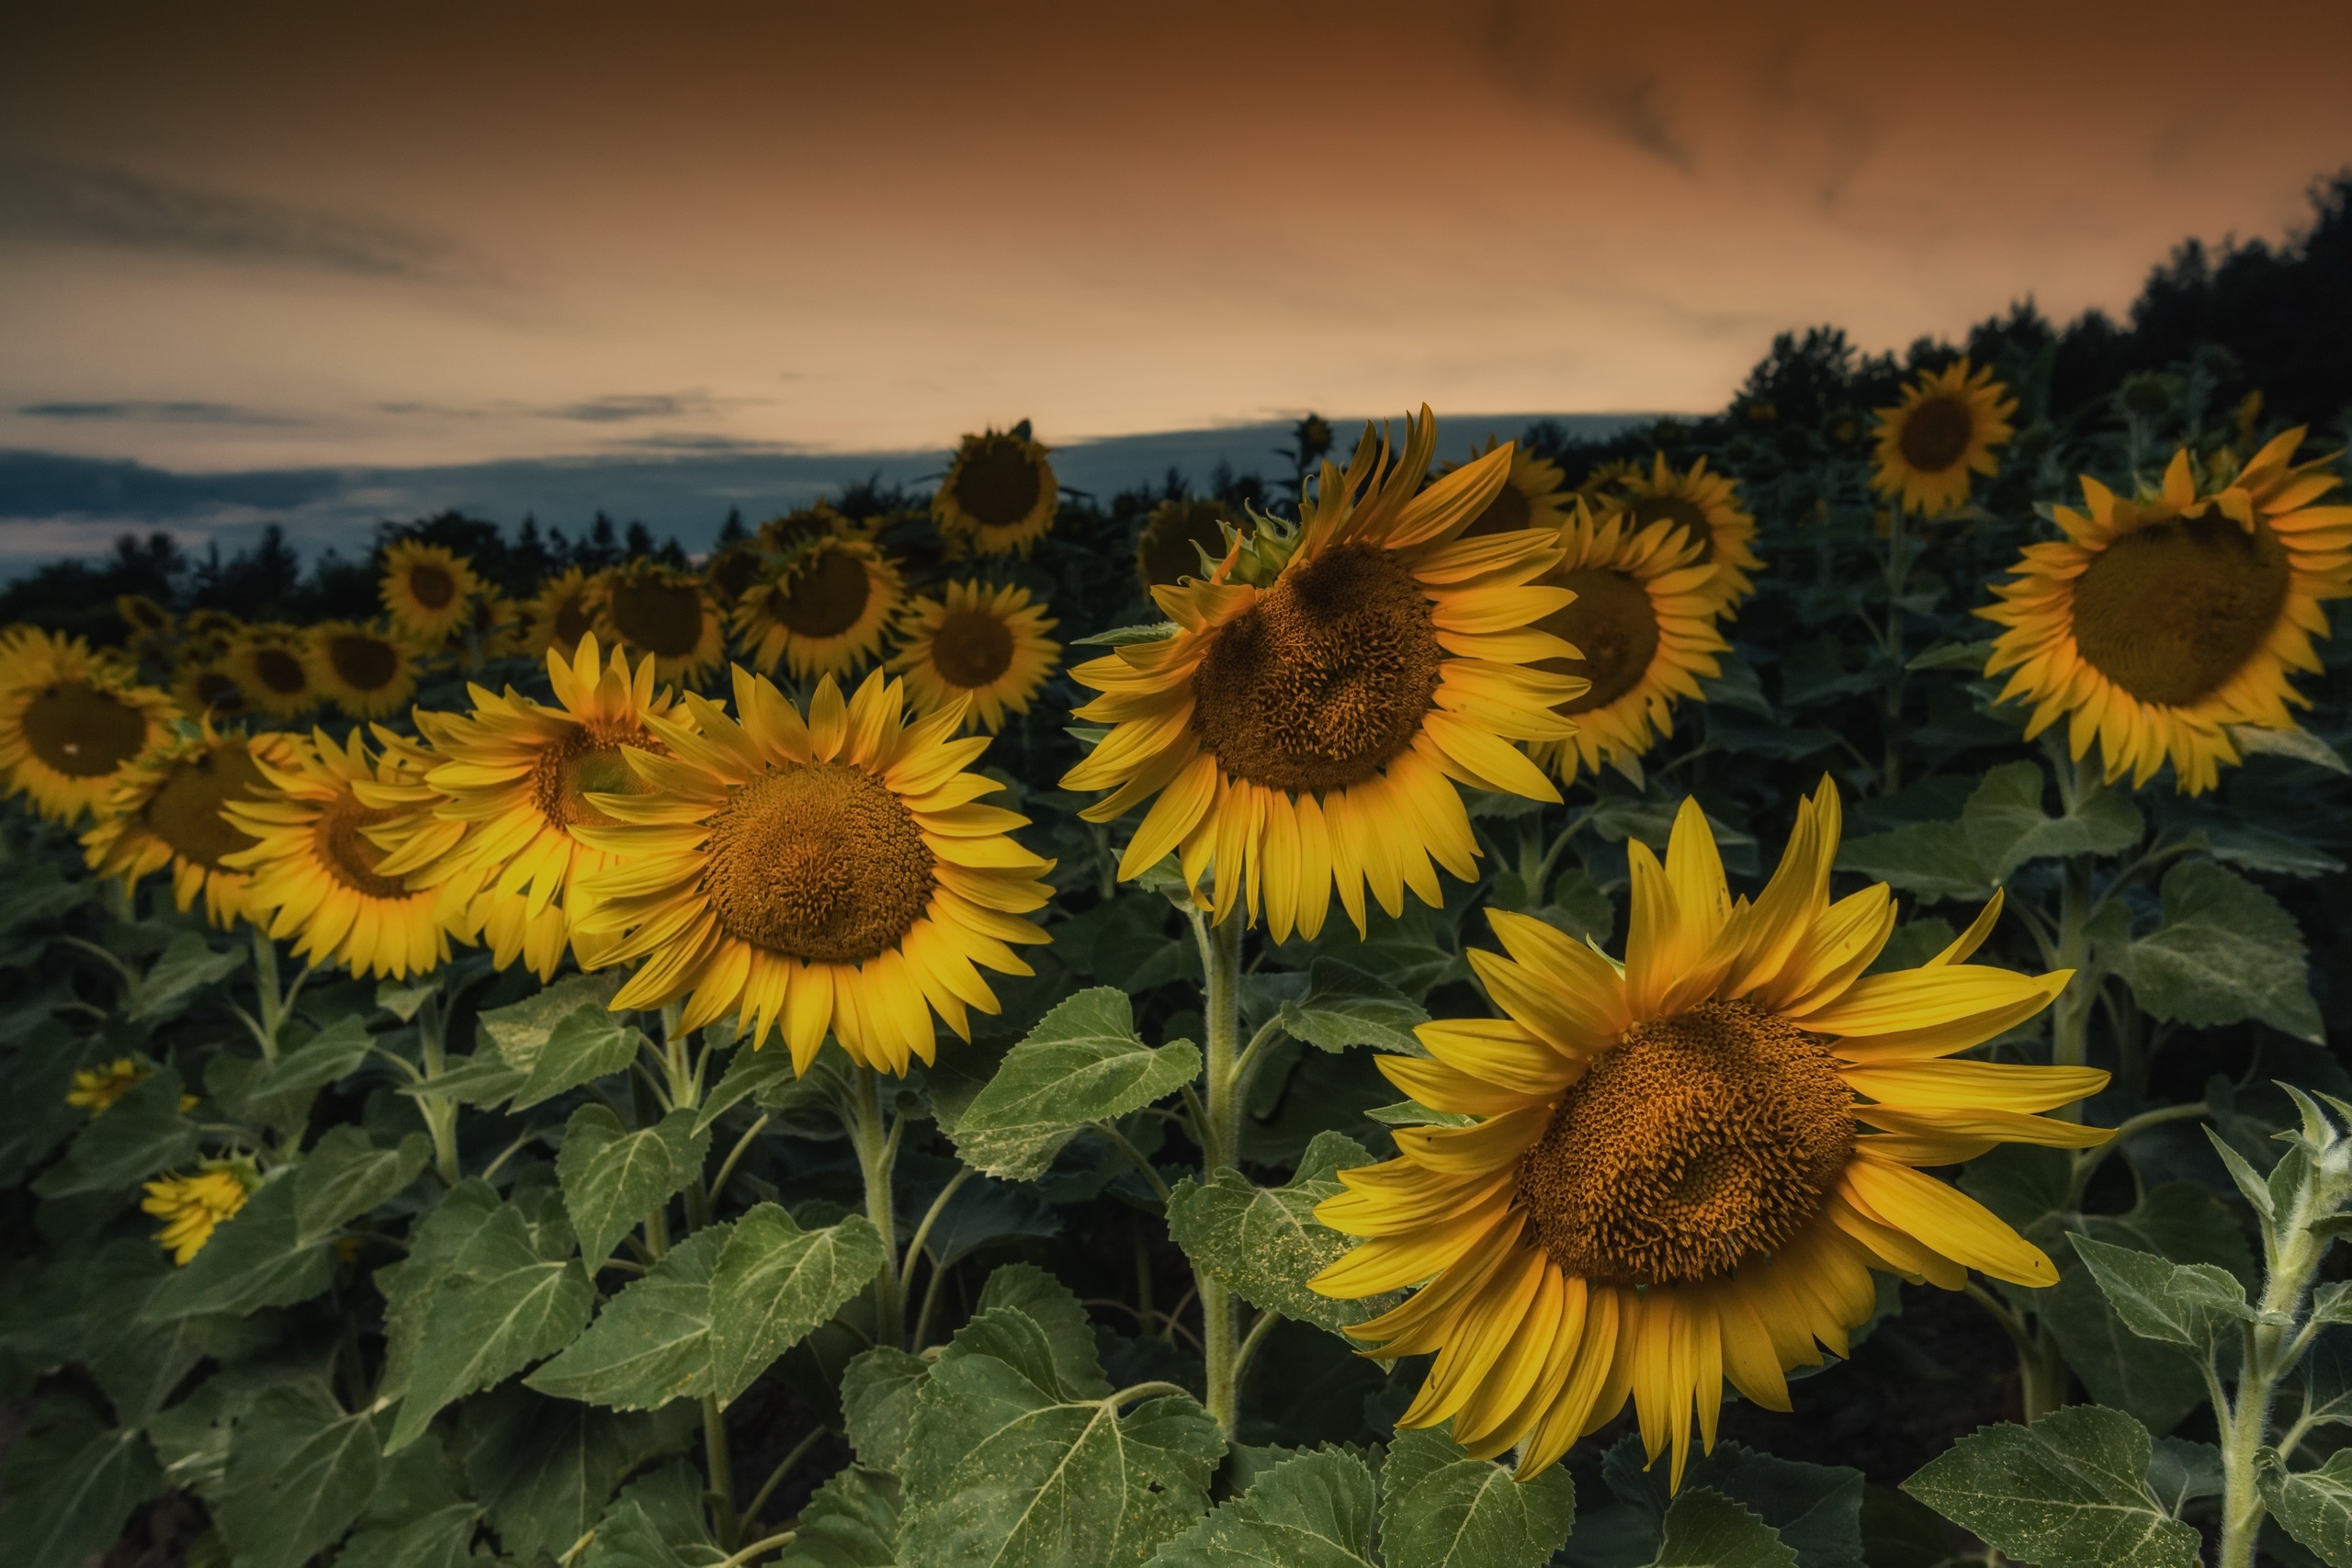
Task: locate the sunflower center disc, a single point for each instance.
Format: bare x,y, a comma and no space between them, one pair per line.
1936,434
589,758
185,812
998,484
218,693
348,854
971,648
663,618
818,861
1167,549
1697,1143
826,596
732,574
362,662
1507,513
281,671
571,622
1325,679
2171,611
434,588
1614,624
1680,510
82,731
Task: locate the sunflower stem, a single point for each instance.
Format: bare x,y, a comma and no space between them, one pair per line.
2070,1015
1220,946
1898,568
877,1150
440,1112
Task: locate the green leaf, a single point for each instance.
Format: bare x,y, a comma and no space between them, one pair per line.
878,1392
136,1136
1934,860
1706,1529
1954,656
1054,1308
851,1522
483,1079
74,1505
750,1073
1264,1243
658,1519
1083,1062
2312,1506
1314,1510
2070,1489
346,1175
500,1307
2293,741
2226,950
300,1473
544,1468
1815,1509
520,1031
2179,1304
419,1517
585,1046
2180,1472
186,967
651,1343
2006,827
434,1244
405,999
775,1282
1440,1509
332,1052
258,1258
1120,637
1344,1007
613,1177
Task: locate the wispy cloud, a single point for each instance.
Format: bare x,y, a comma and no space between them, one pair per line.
156,412
613,408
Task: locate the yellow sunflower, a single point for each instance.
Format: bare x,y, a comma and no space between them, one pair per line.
271,664
204,688
192,1207
1177,535
1704,506
365,671
511,784
1643,622
2159,621
1533,495
210,634
650,608
316,875
999,493
986,642
1942,430
71,722
1606,477
426,589
826,873
97,1089
166,813
150,626
1302,734
557,616
492,630
1685,1167
825,612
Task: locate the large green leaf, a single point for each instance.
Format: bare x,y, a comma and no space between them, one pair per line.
656,1522
434,1243
1083,1062
1338,1005
1265,1242
752,1073
851,1522
418,1517
1440,1509
584,1046
544,1468
71,1484
2312,1506
879,1392
138,1135
1932,860
651,1343
1814,1509
257,1258
2070,1489
300,1473
2226,950
2189,1305
186,967
613,1177
332,1052
519,1031
776,1281
346,1175
2006,827
1706,1529
1314,1510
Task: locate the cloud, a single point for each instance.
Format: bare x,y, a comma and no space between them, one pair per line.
49,485
157,412
616,408
89,204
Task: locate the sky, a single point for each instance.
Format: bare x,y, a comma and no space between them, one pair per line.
242,239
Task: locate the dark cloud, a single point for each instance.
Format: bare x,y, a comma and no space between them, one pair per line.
88,205
159,412
52,485
620,408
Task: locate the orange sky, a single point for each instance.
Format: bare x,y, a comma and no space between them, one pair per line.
237,235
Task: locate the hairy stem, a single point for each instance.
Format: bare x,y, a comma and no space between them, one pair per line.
1221,1145
877,1149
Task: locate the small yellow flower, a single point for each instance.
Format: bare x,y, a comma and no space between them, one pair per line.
99,1088
191,1206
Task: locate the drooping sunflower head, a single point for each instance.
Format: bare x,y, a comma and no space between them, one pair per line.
427,589
985,642
556,618
271,664
205,689
1706,509
733,569
1178,535
1642,623
97,1089
1305,730
1683,1170
1942,430
822,872
650,608
2159,621
1533,495
192,1207
209,634
150,627
365,671
71,722
824,611
999,493
167,814
818,520
315,872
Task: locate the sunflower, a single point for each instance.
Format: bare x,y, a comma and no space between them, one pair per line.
1177,535
651,608
999,493
316,872
1607,476
270,664
557,616
204,688
167,813
426,589
2158,621
97,1089
1302,733
509,785
366,671
1705,507
209,633
70,721
491,631
150,626
191,1207
735,568
1942,430
825,872
987,642
1685,1167
1533,495
1643,622
825,610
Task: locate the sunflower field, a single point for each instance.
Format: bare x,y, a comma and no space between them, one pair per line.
1750,993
